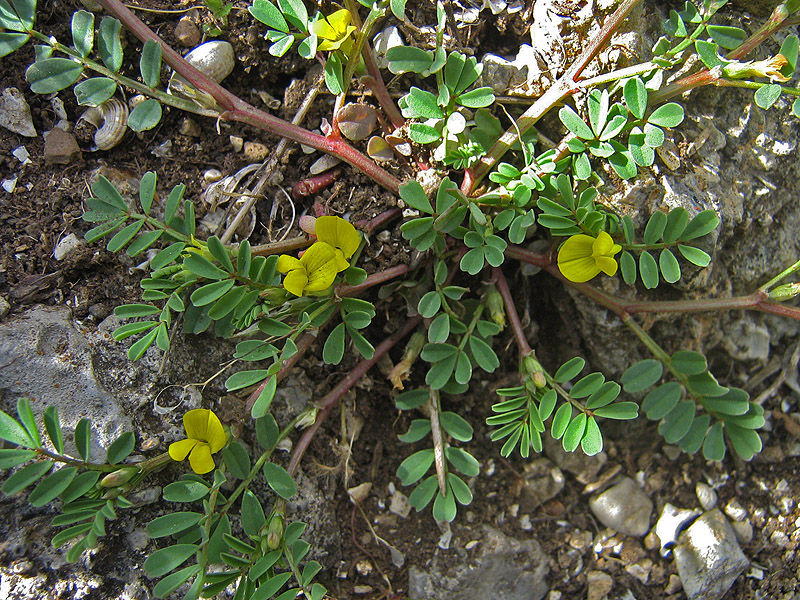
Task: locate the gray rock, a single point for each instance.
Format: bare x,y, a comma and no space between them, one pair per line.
598,585
503,568
5,307
400,505
67,245
15,114
542,481
42,348
708,557
672,521
585,468
706,495
624,507
743,531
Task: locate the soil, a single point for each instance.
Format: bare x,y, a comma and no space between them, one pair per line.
47,206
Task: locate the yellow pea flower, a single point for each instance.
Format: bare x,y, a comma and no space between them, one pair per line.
582,257
334,31
770,67
312,272
204,437
341,235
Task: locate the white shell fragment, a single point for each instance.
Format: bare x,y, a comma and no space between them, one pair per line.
15,114
323,164
214,59
111,121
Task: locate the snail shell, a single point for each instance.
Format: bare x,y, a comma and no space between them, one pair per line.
111,121
214,59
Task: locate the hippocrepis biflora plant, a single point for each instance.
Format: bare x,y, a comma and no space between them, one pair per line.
280,298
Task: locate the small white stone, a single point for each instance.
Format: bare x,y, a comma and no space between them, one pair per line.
400,505
743,531
15,114
735,510
525,522
10,185
237,143
706,495
323,164
779,538
22,155
67,245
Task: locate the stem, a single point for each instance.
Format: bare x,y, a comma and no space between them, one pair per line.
327,403
566,85
80,463
236,109
511,311
295,243
785,273
439,460
372,280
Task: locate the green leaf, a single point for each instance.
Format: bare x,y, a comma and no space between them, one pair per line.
333,350
547,404
11,42
418,429
167,255
574,433
124,235
727,37
25,476
185,491
201,266
677,422
414,467
641,375
635,94
714,444
709,53
675,25
11,457
670,268
83,438
662,400
604,395
244,379
172,582
462,461
649,270
50,487
569,370
253,518
622,411
173,202
138,348
211,292
677,219
424,134
145,115
361,343
627,265
83,32
484,356
172,524
444,507
237,460
267,13
460,489
689,362
95,91
51,424
79,486
109,43
746,442
411,399
439,329
734,402
163,561
703,223
429,304
398,9
561,420
129,329
66,535
575,124
52,75
143,242
150,63
120,448
655,227
694,255
456,426
587,385
421,104
477,98
790,48
267,431
693,439
667,115
12,431
132,311
414,196
597,105
405,59
622,161
279,480
463,370
767,95
592,442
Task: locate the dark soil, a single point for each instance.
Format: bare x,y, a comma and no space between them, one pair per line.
47,205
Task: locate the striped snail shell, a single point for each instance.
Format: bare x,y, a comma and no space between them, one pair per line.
111,121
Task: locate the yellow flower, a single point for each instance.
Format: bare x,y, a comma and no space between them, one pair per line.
205,436
312,272
582,257
334,31
341,235
771,67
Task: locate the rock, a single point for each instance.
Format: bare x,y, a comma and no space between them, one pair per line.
624,507
674,585
542,481
585,468
60,147
672,521
66,245
503,567
42,347
706,495
779,538
15,114
641,570
255,151
708,557
743,531
5,307
187,33
747,341
598,584
400,505
735,510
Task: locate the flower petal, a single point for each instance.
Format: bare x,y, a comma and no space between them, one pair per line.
195,422
579,270
200,459
178,451
603,245
338,233
215,435
607,265
295,281
577,246
286,263
341,262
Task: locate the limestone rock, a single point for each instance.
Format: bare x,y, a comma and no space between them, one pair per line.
624,507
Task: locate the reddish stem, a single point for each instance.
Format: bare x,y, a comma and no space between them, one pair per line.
511,311
327,403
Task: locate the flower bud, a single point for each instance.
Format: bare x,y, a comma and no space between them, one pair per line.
494,304
308,417
535,370
770,67
119,477
275,533
784,292
275,295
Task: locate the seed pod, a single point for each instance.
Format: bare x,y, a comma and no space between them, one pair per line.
214,59
356,121
111,121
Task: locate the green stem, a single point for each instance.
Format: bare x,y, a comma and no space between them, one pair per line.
785,273
74,461
755,85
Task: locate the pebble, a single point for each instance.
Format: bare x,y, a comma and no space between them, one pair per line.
624,508
672,521
708,557
641,570
525,522
362,590
599,584
5,307
542,481
779,538
22,155
743,531
66,246
735,510
187,33
60,147
138,539
255,151
674,584
190,128
237,143
15,113
400,505
671,452
706,495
